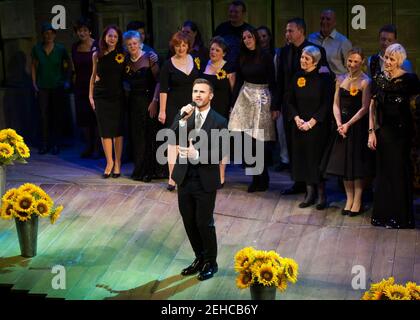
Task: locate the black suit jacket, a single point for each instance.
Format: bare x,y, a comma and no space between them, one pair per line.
209,172
287,68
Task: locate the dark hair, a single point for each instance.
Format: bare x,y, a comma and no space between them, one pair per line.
244,52
266,29
135,25
83,22
220,42
198,41
239,3
204,81
177,38
300,23
391,28
356,50
102,44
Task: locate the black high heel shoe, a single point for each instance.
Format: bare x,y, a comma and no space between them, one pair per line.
309,197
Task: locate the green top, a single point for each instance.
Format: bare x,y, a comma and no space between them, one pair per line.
50,71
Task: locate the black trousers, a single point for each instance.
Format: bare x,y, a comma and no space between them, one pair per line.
196,207
51,103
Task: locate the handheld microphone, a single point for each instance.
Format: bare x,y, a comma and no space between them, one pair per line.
184,114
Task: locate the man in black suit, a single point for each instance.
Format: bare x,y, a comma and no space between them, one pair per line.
198,178
288,65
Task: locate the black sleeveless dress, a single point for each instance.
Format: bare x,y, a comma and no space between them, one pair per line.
350,158
222,100
108,95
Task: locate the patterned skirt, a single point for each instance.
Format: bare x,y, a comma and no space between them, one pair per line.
252,112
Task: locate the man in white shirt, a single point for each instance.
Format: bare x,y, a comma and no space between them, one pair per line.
335,44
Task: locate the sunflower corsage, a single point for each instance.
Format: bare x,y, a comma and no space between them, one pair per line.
301,82
266,268
27,201
221,74
354,91
12,148
119,57
197,62
387,289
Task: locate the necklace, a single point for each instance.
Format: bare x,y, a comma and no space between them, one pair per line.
137,58
352,77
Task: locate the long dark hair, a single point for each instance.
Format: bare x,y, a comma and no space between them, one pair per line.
245,53
102,43
271,43
198,39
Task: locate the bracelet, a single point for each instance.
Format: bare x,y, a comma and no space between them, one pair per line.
309,125
371,130
156,99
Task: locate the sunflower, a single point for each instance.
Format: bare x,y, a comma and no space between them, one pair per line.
24,202
243,259
22,149
301,82
414,290
274,257
42,208
379,295
6,150
7,212
291,270
367,296
197,63
381,285
119,58
244,280
282,283
354,91
221,74
10,195
397,292
267,275
3,136
22,216
56,214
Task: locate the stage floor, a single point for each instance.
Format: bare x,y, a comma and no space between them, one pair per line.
121,239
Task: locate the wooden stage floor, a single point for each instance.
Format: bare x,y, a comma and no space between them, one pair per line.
120,239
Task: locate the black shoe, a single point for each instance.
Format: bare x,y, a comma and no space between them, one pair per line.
147,178
355,213
55,150
207,271
116,175
193,268
170,187
136,177
106,175
305,204
43,150
321,205
345,212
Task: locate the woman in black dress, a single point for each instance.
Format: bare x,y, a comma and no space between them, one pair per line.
222,75
350,158
81,54
256,107
176,80
309,103
391,136
141,74
106,96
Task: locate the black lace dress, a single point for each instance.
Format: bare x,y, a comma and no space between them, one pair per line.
393,200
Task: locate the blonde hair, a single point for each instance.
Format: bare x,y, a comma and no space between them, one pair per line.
399,52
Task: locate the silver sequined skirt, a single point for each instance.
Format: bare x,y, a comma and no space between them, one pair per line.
252,112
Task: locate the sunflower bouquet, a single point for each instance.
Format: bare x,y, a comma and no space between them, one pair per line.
387,289
27,201
12,147
265,268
